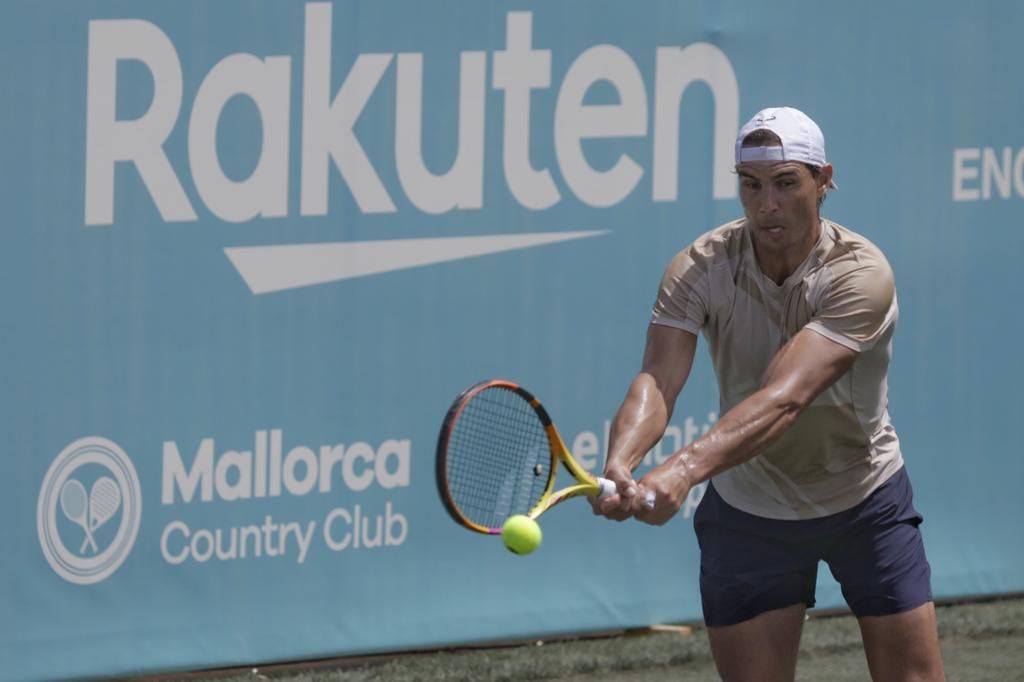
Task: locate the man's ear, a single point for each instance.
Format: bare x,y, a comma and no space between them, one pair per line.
824,178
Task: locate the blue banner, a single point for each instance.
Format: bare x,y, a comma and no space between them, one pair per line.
252,250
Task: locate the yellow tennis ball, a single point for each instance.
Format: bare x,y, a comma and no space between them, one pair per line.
521,534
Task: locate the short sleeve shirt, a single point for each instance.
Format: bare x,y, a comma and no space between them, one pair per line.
843,444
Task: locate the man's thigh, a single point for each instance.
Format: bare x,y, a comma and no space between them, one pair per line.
903,646
763,648
879,560
750,565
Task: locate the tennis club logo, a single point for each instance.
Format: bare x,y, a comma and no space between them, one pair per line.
89,510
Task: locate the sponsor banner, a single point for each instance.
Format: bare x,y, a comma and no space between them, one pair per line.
253,250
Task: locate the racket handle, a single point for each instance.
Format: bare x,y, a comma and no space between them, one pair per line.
608,487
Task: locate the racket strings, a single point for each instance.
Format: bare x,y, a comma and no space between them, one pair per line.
498,457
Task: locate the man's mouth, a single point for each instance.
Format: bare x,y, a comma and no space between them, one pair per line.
774,230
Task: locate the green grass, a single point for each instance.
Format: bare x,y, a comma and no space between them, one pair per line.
980,641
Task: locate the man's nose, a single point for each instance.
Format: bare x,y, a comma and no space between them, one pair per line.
769,200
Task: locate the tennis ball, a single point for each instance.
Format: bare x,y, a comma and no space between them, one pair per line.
521,534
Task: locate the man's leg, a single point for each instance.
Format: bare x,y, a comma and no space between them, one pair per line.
903,646
757,580
881,564
762,649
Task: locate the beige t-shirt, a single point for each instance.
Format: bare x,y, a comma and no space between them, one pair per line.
843,445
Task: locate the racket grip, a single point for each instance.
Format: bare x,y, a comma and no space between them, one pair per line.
608,487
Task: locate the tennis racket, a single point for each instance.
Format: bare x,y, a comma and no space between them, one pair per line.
498,454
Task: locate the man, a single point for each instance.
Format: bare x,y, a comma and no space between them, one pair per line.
804,464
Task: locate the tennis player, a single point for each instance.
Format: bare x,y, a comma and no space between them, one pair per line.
804,465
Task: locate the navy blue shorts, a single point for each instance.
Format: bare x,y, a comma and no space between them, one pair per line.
750,564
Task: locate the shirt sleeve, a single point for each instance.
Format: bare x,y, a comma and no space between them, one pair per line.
683,295
858,307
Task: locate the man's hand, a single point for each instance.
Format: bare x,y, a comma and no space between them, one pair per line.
670,486
617,507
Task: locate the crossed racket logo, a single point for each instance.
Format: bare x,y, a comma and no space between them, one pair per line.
92,511
116,490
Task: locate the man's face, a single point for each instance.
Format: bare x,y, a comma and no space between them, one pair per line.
780,199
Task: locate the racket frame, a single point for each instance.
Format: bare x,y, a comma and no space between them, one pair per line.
586,484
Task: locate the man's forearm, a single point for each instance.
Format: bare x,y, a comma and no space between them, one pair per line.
639,423
742,433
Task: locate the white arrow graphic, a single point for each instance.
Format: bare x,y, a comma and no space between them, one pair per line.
267,269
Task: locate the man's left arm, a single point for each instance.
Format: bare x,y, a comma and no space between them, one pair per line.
807,365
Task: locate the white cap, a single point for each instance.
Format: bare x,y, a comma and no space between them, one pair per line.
801,137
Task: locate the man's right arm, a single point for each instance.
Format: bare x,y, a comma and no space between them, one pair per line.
645,412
